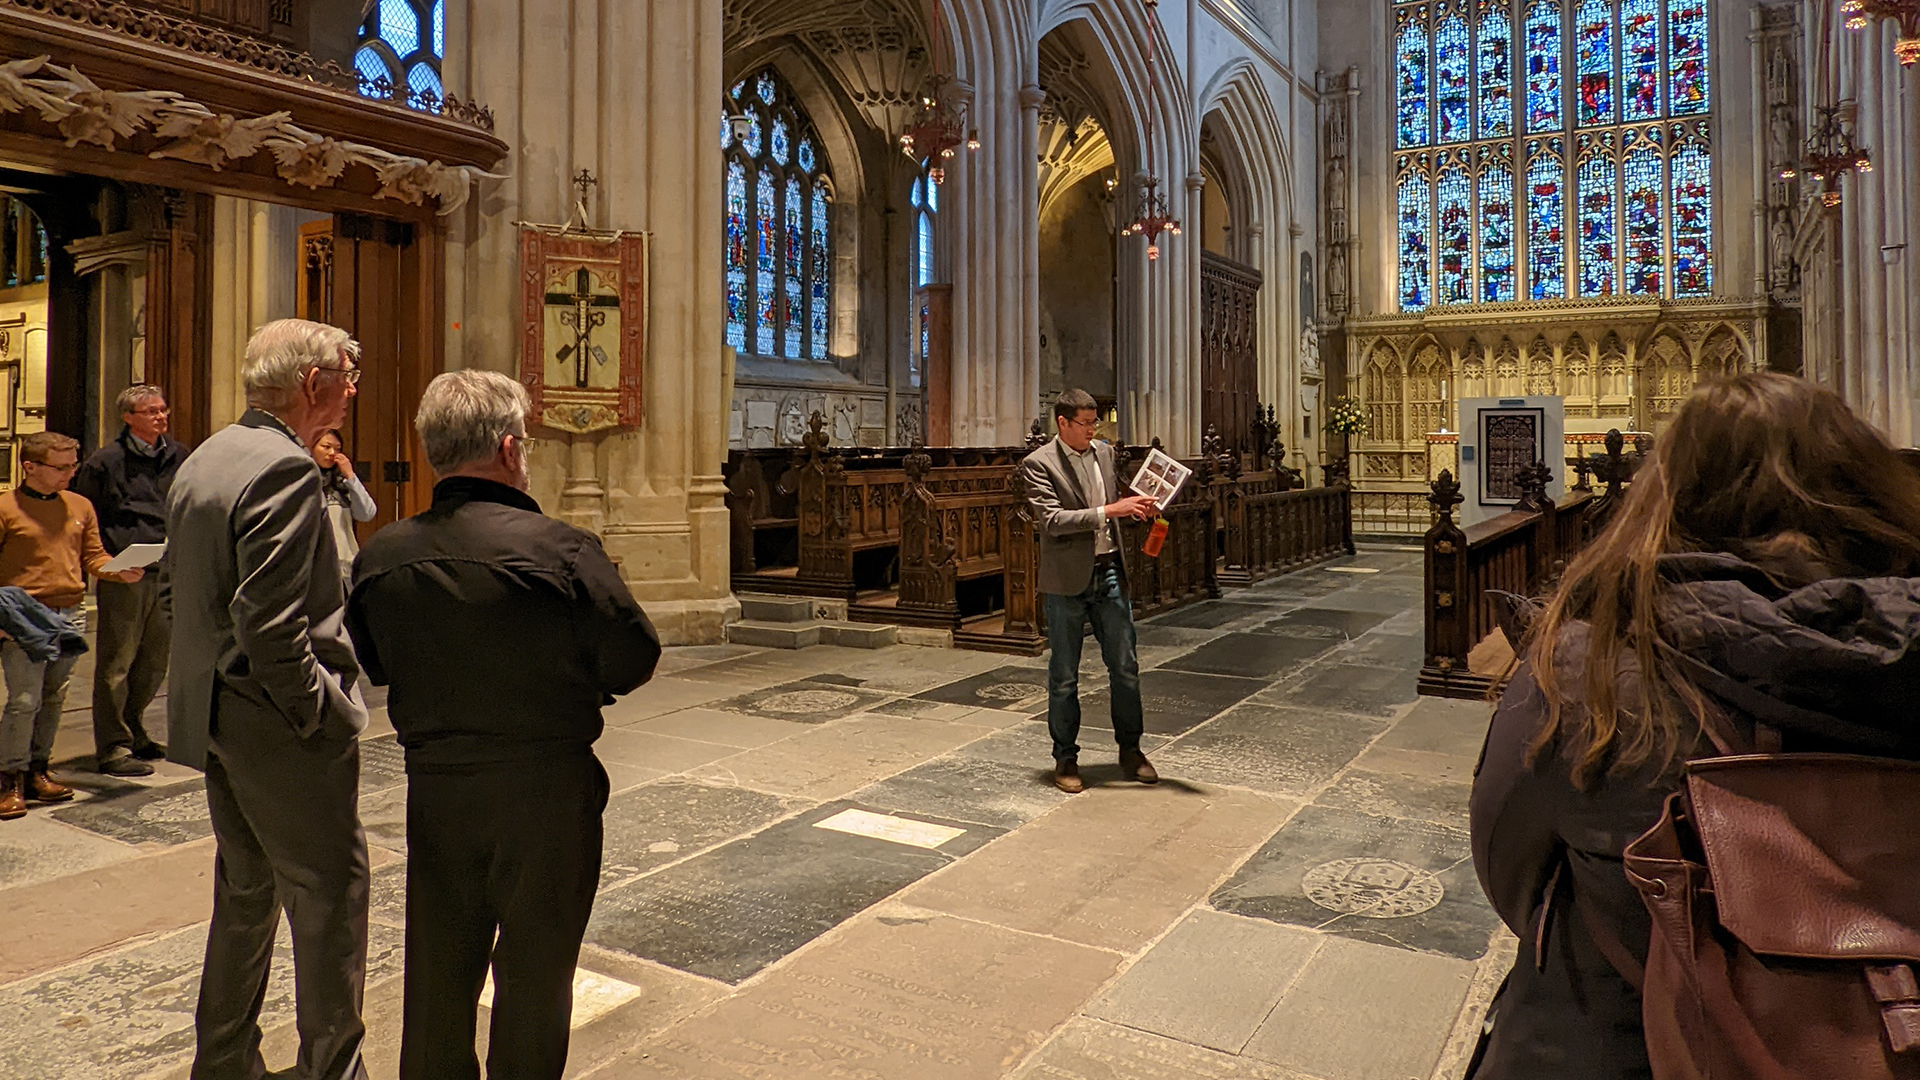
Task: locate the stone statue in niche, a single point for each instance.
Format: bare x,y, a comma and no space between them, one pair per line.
846,422
1309,350
1337,278
793,422
1780,249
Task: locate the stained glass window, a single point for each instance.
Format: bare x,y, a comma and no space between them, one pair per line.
1586,164
1450,62
1640,206
1496,233
399,50
1598,228
1692,221
778,225
925,200
1546,225
1411,64
1495,70
1453,239
1416,230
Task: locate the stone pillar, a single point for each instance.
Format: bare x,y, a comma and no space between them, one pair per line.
630,92
256,272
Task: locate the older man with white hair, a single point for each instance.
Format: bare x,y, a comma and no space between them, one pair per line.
262,699
501,632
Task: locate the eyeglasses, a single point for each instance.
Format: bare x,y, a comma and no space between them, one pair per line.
52,468
155,410
1088,424
351,374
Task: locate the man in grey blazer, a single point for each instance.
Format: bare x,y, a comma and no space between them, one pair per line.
263,700
1074,490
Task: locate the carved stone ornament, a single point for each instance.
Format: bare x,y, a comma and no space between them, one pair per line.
583,327
189,131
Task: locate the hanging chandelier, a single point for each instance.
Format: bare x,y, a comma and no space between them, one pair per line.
1861,14
1831,153
939,125
1154,215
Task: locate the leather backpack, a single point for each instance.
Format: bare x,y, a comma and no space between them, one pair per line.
1785,895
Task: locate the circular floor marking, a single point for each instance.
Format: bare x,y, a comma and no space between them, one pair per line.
177,810
1009,691
807,701
1372,888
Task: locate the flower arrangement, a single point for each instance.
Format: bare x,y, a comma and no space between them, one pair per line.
1346,417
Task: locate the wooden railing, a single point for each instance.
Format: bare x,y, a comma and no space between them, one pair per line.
1522,552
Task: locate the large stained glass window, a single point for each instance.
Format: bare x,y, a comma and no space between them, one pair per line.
778,218
925,199
1571,154
398,54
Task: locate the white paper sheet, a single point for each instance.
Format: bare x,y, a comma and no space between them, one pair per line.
135,555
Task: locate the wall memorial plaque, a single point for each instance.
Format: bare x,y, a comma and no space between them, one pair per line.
1510,441
583,326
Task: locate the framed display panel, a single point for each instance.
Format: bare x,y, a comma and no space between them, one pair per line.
583,327
1511,440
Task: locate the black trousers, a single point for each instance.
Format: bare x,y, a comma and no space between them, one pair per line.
496,875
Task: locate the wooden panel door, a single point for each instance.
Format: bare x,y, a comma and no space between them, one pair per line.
1229,336
381,281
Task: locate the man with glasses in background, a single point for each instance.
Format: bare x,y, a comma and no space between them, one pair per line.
127,482
49,542
263,699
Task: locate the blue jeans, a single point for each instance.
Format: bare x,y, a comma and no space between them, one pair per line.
1104,603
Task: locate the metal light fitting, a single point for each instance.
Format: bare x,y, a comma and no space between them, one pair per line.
1861,14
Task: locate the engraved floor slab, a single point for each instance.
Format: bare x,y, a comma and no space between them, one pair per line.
1400,794
1350,688
725,728
1208,615
1002,688
1313,622
1111,868
1384,880
661,822
1212,981
175,814
828,762
1442,726
1363,1012
37,848
1402,652
383,764
928,998
972,789
734,910
803,702
1257,656
1088,1049
1173,701
1270,748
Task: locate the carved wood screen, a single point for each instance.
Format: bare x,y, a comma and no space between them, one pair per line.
381,281
1229,335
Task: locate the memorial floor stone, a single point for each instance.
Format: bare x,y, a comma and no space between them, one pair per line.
1400,794
994,793
1367,689
174,814
808,701
1255,656
1288,751
1208,615
1006,687
1173,701
1311,622
1384,880
1211,981
1362,1012
383,764
1089,1049
668,820
734,910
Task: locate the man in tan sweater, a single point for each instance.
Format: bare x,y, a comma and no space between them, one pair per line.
49,542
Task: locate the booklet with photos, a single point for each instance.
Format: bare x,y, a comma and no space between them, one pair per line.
1160,478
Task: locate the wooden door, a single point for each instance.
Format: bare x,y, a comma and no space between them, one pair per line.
1229,337
380,281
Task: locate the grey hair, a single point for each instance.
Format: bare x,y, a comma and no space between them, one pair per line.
464,414
281,353
132,396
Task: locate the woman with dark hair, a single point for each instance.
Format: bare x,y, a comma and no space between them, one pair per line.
347,498
1762,572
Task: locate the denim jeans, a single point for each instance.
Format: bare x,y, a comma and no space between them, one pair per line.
1104,603
36,694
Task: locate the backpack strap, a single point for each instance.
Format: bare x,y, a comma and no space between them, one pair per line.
1898,994
1618,956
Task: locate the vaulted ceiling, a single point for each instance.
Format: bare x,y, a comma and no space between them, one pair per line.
874,49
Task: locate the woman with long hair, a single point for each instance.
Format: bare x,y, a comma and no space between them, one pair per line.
1762,574
346,497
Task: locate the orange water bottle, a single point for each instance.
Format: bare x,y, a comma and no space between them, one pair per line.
1156,536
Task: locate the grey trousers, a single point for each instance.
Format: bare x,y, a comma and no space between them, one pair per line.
286,821
130,661
36,693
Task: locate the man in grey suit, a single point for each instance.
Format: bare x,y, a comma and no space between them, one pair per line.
1074,491
263,700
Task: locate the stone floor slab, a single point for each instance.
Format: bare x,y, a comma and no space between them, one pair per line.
652,750
1384,880
1273,748
969,789
1029,746
1255,656
670,693
176,814
1006,687
1401,652
1365,1012
1089,1049
59,921
1111,868
1211,981
1400,794
929,998
1209,615
830,761
806,701
730,912
666,821
38,848
1173,701
1368,689
1442,726
1316,622
725,728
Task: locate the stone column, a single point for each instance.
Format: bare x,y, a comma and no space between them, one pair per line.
631,93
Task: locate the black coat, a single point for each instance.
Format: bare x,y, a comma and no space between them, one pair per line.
1832,666
128,490
501,631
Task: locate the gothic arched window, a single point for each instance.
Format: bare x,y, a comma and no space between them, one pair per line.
401,44
1551,149
778,209
925,200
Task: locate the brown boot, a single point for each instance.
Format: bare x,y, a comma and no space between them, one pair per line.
1066,776
42,788
13,795
1135,766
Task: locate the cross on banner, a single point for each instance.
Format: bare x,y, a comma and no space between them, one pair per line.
582,319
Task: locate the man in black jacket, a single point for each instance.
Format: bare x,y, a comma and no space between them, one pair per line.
127,482
502,633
